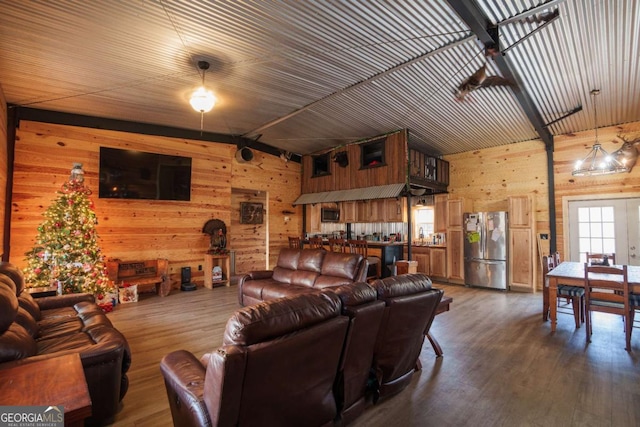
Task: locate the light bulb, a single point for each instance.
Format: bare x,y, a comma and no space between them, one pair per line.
202,100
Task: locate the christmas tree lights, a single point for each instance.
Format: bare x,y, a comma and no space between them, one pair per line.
66,253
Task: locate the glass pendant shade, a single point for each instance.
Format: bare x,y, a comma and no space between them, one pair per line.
202,100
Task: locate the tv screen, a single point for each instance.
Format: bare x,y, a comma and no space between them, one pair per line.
126,174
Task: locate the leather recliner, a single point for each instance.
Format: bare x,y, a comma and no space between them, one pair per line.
410,306
277,366
35,329
365,311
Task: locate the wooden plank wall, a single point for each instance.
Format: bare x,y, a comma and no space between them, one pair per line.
573,147
353,176
133,229
3,162
489,176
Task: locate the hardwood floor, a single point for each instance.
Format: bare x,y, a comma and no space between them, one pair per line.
501,366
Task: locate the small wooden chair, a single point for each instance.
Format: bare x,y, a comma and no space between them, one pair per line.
573,294
362,247
294,242
599,259
337,245
316,243
607,291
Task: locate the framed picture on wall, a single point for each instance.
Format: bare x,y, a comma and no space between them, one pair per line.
251,213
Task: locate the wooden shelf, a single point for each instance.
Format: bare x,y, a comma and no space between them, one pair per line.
211,261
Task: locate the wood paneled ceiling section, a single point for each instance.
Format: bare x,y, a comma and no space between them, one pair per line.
308,76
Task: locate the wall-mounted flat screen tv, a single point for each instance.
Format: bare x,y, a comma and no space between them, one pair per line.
127,174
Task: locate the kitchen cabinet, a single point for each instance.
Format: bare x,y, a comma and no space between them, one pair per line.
396,210
520,211
348,212
522,244
313,219
421,256
363,211
455,255
440,213
438,262
455,210
377,209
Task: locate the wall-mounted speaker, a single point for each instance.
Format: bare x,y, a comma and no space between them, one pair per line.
244,155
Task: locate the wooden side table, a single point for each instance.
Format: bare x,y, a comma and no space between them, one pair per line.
58,381
42,291
221,261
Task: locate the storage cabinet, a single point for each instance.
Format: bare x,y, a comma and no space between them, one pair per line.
522,245
348,212
455,255
440,213
313,218
211,261
455,210
396,210
421,256
438,262
377,209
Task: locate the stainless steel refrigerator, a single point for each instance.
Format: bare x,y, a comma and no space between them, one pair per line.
485,249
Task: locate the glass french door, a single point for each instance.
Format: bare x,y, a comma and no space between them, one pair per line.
605,225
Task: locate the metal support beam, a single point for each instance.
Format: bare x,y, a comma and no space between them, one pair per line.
480,24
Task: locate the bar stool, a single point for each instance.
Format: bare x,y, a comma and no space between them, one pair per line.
316,243
294,242
361,247
337,245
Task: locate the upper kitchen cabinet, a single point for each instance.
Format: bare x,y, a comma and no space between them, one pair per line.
455,210
440,212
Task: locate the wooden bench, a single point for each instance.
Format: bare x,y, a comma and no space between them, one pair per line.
146,274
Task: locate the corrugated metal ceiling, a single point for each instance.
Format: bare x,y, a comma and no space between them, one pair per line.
307,76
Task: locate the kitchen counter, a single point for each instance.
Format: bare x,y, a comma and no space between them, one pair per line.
429,246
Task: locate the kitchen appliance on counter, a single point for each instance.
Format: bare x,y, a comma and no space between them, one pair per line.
485,249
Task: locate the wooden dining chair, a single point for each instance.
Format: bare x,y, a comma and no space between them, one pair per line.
574,294
601,259
294,242
338,245
316,243
607,291
375,264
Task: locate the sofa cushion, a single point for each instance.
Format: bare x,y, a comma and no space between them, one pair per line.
261,322
323,282
76,341
304,278
8,307
288,258
16,343
15,274
27,302
26,320
273,290
282,274
341,265
311,260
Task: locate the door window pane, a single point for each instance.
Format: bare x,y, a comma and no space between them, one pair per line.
596,230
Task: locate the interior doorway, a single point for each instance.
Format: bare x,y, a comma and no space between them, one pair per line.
605,225
249,232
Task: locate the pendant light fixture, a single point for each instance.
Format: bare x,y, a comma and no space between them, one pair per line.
598,161
202,100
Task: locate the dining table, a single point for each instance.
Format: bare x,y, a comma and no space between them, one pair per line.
572,273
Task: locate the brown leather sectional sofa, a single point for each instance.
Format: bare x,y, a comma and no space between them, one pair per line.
35,329
314,359
301,271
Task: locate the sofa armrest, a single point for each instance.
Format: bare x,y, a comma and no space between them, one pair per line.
253,275
184,379
67,300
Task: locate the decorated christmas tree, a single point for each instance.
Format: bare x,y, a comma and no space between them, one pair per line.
66,253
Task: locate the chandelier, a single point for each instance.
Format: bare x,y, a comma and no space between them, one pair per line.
598,161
